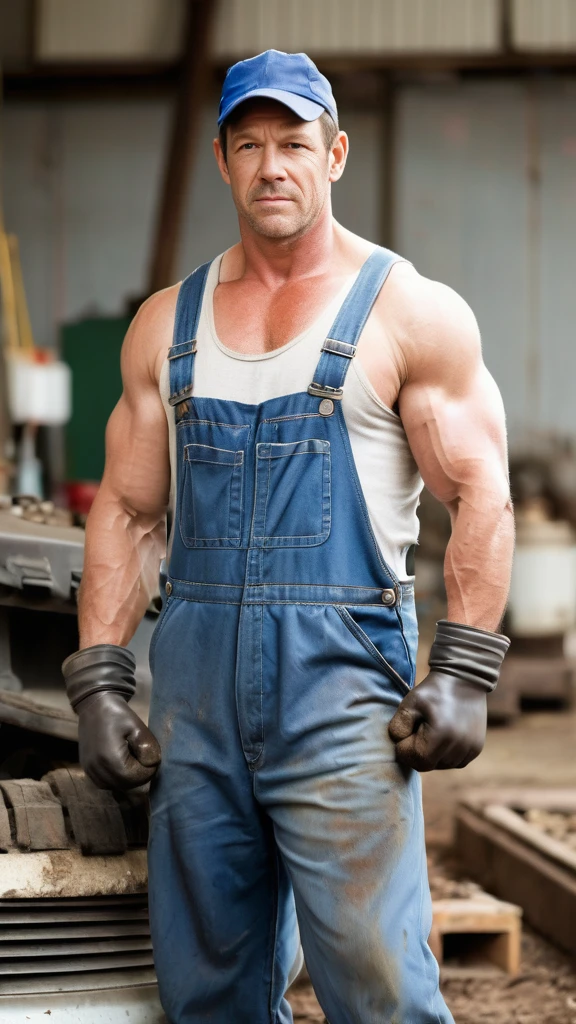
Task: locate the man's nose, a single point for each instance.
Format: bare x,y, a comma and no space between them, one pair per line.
271,165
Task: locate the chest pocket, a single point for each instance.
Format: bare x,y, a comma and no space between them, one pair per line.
293,504
211,485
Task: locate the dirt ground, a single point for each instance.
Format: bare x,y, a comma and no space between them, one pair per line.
537,750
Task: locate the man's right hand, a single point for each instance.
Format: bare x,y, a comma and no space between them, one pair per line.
117,751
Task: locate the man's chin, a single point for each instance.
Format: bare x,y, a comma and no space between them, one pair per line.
278,230
275,226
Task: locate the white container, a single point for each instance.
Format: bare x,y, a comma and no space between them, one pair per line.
542,598
39,392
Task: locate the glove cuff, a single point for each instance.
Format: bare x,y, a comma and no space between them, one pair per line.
468,653
104,667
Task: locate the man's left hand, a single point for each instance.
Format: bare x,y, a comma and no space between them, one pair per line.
440,724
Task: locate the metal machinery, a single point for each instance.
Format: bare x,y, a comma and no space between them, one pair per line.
74,934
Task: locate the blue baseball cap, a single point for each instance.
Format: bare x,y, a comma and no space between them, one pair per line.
290,78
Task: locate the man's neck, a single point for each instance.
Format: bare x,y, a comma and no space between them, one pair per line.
275,261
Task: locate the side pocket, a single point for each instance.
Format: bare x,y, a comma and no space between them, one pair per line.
170,602
371,647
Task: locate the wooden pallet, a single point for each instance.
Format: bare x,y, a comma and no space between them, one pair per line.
516,861
478,932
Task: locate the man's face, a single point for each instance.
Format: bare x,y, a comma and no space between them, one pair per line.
279,169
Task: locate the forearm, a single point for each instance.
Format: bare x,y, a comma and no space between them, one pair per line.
479,559
122,557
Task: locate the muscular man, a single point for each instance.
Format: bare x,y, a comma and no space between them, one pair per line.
284,659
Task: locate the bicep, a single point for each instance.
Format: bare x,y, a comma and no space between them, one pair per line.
453,414
458,440
137,470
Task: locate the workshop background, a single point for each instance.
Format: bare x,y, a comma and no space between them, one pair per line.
462,121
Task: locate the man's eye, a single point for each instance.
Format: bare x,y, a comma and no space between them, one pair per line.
248,145
295,145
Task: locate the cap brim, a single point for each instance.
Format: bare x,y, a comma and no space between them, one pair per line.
302,107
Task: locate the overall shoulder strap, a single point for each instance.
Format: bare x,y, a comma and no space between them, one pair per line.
340,345
181,354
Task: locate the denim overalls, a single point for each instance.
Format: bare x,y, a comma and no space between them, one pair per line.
284,647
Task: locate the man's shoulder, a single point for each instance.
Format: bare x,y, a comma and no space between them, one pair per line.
158,310
415,298
150,333
425,316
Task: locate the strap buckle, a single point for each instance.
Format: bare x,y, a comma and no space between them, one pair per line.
180,396
339,348
324,391
184,348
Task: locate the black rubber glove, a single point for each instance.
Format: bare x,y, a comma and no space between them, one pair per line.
117,750
442,722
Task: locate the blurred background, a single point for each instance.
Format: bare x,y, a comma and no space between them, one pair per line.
462,121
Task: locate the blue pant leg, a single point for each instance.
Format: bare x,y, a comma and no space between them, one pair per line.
348,822
221,906
352,845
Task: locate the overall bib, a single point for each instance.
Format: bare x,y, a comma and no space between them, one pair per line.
284,647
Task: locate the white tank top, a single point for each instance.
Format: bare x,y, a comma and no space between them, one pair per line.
388,473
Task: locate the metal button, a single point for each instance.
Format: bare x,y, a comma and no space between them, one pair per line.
326,407
168,588
388,597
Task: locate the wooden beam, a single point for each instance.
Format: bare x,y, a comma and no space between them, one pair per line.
81,84
195,73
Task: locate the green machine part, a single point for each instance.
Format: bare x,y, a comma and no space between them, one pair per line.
92,350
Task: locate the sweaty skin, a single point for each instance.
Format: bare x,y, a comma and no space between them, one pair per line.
420,349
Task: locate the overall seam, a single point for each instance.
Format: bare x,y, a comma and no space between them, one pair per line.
261,645
291,455
324,604
215,423
193,503
265,517
299,416
406,645
274,934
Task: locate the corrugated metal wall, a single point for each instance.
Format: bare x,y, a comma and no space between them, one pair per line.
555,124
486,202
108,29
544,24
152,29
357,26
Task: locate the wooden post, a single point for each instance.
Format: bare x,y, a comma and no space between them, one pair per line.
388,161
182,143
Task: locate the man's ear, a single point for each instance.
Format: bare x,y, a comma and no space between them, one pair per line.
338,156
220,160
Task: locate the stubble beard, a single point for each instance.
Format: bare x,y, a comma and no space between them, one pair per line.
274,226
278,227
